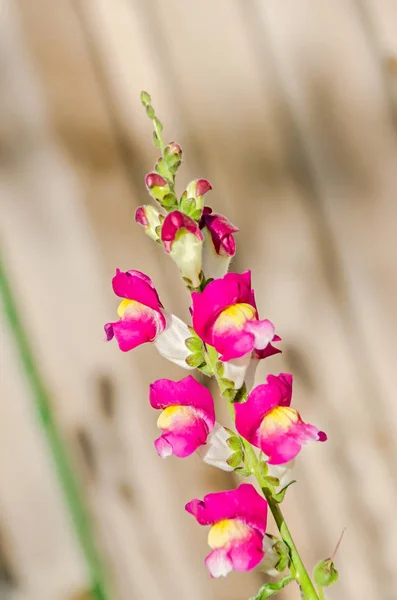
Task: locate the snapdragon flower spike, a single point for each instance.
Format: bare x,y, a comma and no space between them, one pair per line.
267,421
188,416
219,244
143,319
238,518
149,217
225,316
183,241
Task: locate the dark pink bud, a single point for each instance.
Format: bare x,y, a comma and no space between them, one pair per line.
202,187
140,216
173,148
175,221
221,231
155,180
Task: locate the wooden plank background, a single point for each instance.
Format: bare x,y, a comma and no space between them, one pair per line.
290,109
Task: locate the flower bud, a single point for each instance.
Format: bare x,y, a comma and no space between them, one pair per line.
219,244
216,451
325,573
197,190
149,217
184,241
173,157
145,98
157,186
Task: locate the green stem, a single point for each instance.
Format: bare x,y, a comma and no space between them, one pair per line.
68,482
298,568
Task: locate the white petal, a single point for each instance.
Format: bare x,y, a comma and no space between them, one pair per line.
171,342
214,265
216,451
187,252
241,369
283,473
270,559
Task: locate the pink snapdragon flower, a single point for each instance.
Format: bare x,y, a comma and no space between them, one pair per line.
143,319
197,190
225,316
238,518
183,241
149,217
187,418
268,422
219,244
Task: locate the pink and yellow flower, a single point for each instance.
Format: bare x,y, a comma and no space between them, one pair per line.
219,244
225,316
183,241
143,319
268,422
188,416
238,518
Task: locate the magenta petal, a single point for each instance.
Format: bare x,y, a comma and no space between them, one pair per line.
175,221
243,503
186,392
184,439
221,231
262,400
233,344
135,285
109,331
131,332
247,554
284,447
219,294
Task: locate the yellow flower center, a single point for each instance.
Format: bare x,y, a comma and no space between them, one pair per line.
225,531
174,413
235,316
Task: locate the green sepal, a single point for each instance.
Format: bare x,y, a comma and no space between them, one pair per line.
194,344
325,573
156,140
162,169
235,459
150,111
234,443
220,368
205,369
264,469
270,589
196,215
279,497
229,394
195,360
187,205
158,124
241,395
169,201
227,384
243,471
282,550
272,481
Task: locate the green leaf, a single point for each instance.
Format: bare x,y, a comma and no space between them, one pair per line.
273,481
279,497
325,573
194,344
169,200
145,98
162,168
234,443
235,459
196,215
243,471
270,589
195,360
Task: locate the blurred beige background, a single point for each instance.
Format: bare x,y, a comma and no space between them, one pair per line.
289,108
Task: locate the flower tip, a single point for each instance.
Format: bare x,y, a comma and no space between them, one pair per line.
174,148
202,187
154,180
322,436
140,217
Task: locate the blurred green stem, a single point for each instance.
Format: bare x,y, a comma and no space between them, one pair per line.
70,488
